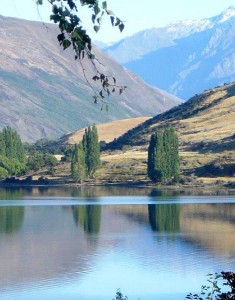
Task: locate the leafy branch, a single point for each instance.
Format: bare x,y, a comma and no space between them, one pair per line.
72,34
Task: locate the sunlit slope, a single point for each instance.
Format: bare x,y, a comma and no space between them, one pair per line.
205,126
107,131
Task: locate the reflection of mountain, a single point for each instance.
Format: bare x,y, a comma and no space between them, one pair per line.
88,216
11,218
48,245
164,218
210,225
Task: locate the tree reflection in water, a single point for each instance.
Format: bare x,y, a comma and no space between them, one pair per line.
11,218
164,217
88,217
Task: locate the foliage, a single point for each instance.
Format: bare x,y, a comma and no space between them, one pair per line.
65,13
214,290
120,296
44,146
12,154
85,157
78,163
3,173
38,160
163,156
11,145
92,150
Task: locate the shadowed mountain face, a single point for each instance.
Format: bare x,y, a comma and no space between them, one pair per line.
43,92
183,58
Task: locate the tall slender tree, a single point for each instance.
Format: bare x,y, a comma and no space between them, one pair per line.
92,150
163,156
78,165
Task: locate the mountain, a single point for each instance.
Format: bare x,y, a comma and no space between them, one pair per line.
183,58
107,132
43,92
205,128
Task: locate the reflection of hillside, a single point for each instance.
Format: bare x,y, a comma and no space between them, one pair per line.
46,246
212,226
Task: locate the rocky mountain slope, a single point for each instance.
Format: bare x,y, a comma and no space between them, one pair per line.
205,127
185,57
43,92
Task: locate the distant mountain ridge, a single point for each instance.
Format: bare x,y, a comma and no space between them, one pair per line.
183,58
43,93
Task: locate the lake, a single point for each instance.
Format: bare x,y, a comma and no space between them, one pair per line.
71,243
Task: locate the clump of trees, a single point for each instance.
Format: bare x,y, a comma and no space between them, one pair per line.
163,156
39,160
86,156
12,153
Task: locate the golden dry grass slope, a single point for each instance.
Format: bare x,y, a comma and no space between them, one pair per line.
205,125
107,131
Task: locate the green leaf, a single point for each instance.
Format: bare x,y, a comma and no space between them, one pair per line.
112,20
96,28
104,5
96,9
93,18
121,27
118,21
66,44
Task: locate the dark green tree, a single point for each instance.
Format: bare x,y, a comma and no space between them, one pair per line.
163,156
13,145
78,164
12,154
39,160
92,150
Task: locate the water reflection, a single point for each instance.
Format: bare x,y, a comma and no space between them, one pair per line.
52,251
88,217
97,191
164,218
10,193
11,219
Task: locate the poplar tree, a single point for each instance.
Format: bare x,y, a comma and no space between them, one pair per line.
78,165
92,150
163,156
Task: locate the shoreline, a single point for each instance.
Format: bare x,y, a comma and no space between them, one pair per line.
52,183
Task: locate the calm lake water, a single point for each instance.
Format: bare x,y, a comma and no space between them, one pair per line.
58,243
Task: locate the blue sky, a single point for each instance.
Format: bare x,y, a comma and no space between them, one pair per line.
138,15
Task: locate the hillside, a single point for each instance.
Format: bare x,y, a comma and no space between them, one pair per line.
205,126
183,58
107,131
44,93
